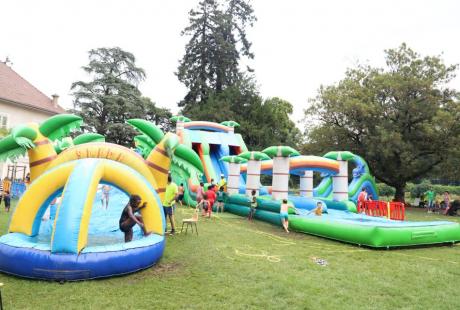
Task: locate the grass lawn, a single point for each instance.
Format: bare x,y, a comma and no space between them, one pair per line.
234,264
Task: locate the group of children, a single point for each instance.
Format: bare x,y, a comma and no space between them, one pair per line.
5,196
213,194
284,208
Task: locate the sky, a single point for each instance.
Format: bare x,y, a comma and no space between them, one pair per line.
298,45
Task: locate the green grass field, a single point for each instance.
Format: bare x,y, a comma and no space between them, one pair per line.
234,264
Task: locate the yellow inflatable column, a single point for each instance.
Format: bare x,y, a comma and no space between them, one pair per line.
159,161
41,155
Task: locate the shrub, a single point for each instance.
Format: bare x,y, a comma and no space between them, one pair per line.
419,189
385,190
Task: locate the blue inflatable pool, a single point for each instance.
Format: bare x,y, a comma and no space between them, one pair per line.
23,256
105,255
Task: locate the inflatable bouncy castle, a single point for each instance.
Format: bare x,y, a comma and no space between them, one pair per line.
222,152
79,240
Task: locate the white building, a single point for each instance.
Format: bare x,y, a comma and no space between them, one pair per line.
21,102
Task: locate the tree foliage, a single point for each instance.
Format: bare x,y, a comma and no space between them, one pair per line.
217,34
112,96
218,88
263,122
403,119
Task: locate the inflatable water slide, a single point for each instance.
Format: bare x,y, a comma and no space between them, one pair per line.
222,151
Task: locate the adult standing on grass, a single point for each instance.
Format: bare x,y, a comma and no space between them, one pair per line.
446,201
168,203
430,195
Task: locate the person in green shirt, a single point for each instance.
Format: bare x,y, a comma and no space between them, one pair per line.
223,182
430,195
168,203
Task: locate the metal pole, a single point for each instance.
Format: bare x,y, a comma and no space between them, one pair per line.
1,300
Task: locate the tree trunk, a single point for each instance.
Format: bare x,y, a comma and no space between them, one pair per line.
400,191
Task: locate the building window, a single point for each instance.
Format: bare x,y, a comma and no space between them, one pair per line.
3,121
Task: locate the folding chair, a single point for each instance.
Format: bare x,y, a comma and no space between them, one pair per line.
190,222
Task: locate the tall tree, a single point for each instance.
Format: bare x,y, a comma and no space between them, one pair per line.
112,96
217,40
195,69
402,118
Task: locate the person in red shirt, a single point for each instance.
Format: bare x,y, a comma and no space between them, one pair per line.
211,194
362,197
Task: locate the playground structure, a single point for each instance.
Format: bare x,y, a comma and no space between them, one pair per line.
68,247
81,241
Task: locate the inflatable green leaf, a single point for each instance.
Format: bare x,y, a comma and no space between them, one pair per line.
59,126
180,118
282,151
233,159
88,137
344,155
189,155
230,124
254,155
147,128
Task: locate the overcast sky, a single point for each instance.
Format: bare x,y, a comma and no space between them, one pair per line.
298,45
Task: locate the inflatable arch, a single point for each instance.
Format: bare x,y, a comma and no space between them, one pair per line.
299,164
79,180
108,151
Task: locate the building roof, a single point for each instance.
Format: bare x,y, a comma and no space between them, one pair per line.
16,90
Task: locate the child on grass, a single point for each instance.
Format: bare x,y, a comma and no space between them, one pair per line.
220,200
180,194
284,215
211,194
7,201
252,211
204,205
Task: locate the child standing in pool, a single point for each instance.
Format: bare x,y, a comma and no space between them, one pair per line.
318,210
129,218
105,196
284,215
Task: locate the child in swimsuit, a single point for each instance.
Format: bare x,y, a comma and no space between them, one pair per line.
252,211
204,205
220,200
129,219
284,215
180,194
105,196
7,201
319,209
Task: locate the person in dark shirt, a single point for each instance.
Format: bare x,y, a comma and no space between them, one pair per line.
128,217
1,191
7,200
